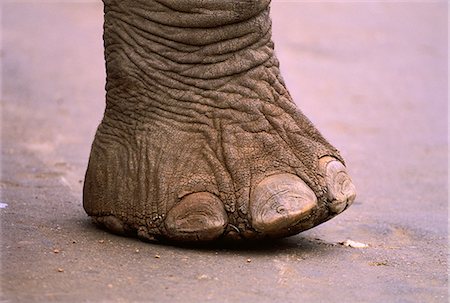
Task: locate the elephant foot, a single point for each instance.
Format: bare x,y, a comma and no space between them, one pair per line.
280,205
200,138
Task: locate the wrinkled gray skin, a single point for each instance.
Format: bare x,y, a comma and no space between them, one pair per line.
200,138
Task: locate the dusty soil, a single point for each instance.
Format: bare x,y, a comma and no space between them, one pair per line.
371,76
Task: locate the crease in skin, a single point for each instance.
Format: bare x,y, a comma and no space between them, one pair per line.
162,80
223,176
209,14
239,45
197,37
216,70
200,54
211,104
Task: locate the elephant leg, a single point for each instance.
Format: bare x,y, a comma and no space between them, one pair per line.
200,137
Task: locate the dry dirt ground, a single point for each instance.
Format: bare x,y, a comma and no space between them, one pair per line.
371,76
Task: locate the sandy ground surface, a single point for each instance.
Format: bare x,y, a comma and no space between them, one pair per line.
371,76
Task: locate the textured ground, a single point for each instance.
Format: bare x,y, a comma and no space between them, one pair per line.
371,76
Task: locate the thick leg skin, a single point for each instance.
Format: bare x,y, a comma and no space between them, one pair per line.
200,139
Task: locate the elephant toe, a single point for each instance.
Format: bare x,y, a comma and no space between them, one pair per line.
341,190
280,202
197,217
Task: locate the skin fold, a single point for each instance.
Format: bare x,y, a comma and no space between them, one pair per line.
200,138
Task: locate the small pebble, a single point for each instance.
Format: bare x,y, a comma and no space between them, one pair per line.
157,256
202,277
101,241
136,250
60,269
379,263
56,251
354,244
249,260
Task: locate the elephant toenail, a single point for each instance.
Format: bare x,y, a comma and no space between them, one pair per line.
279,202
197,217
341,190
